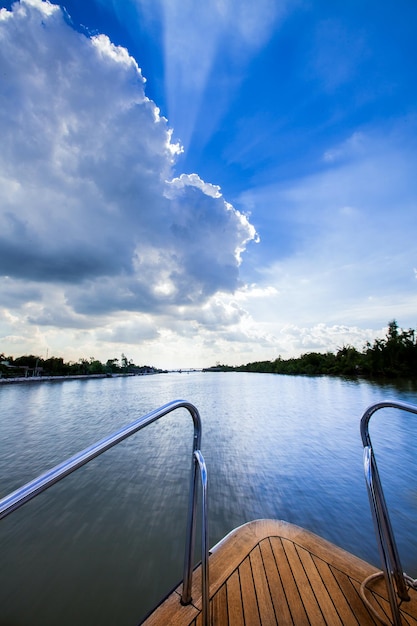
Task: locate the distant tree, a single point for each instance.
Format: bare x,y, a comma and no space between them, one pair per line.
55,366
28,360
83,366
112,365
348,361
95,367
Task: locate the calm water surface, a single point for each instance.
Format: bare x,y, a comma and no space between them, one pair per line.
106,543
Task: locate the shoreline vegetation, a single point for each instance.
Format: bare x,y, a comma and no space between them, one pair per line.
395,356
31,368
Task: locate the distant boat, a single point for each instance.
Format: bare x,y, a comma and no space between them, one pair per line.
267,571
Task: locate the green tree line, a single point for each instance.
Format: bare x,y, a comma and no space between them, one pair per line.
395,356
32,365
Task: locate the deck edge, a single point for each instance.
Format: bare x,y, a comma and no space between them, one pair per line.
226,555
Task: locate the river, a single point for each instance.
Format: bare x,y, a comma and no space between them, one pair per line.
103,545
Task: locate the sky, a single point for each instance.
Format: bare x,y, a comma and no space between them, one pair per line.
191,183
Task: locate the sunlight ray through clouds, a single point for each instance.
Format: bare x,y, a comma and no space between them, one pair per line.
196,37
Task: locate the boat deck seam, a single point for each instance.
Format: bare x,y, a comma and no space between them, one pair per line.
269,572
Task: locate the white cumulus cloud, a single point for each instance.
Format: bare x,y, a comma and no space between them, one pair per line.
91,222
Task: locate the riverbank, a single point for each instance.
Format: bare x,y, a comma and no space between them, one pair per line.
46,379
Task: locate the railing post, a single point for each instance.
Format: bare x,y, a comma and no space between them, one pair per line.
190,536
387,546
204,539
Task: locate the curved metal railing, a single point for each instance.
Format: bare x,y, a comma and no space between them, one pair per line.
387,546
199,460
27,492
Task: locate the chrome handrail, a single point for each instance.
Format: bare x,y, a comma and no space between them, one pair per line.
30,490
199,460
387,546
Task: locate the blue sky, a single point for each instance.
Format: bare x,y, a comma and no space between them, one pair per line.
189,182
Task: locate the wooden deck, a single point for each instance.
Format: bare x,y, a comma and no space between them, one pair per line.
271,572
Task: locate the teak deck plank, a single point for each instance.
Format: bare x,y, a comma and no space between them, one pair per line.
250,605
219,607
279,599
292,592
263,594
320,588
378,602
344,611
410,609
351,593
234,600
270,572
309,600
